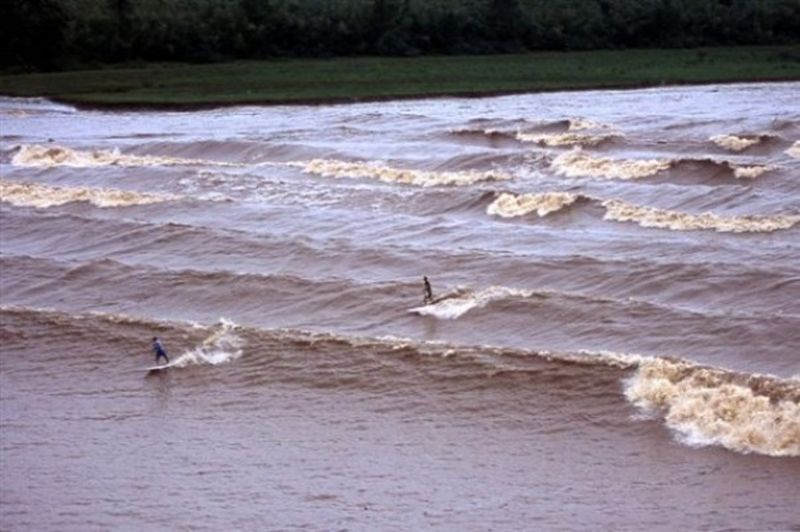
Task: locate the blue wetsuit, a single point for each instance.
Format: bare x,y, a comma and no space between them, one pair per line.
159,351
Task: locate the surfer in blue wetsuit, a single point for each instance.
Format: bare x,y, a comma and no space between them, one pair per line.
158,349
428,292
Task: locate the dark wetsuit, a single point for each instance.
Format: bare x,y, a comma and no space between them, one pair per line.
428,292
159,351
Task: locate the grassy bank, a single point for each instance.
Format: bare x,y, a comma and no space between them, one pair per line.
372,78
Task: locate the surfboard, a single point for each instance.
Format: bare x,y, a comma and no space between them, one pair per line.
154,369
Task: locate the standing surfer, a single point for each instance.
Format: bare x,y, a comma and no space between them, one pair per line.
158,349
428,292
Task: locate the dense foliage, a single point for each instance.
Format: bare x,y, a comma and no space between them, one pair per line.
51,34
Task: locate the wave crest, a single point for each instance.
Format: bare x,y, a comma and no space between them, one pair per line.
371,170
455,304
39,156
578,163
712,406
794,150
739,142
43,196
680,221
579,132
222,346
511,205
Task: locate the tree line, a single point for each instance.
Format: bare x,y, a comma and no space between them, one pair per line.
57,34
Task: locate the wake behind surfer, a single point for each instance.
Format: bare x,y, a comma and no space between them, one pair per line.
159,351
428,299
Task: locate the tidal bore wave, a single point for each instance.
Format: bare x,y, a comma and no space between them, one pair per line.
743,412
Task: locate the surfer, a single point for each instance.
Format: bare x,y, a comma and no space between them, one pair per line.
158,349
428,292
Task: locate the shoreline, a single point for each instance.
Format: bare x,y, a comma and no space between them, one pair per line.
347,80
211,105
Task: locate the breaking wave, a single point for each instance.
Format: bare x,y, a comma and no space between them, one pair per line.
455,304
578,163
222,346
680,221
739,142
43,196
339,169
751,172
794,150
704,405
489,133
579,132
710,406
39,156
509,205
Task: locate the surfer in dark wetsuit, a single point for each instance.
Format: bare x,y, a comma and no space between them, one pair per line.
428,292
159,350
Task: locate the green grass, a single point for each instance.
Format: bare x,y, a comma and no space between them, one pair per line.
373,78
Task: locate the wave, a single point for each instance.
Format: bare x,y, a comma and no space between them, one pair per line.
456,303
579,132
704,405
41,156
578,163
483,133
680,221
751,172
740,142
372,170
43,196
794,150
509,205
222,346
711,406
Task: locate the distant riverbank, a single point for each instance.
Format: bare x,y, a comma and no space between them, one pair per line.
295,81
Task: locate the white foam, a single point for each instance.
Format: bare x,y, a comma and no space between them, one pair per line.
511,205
751,172
738,142
43,196
454,305
375,170
794,150
705,406
48,156
680,221
221,347
578,163
581,132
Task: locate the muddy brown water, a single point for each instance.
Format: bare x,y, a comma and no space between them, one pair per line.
618,346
